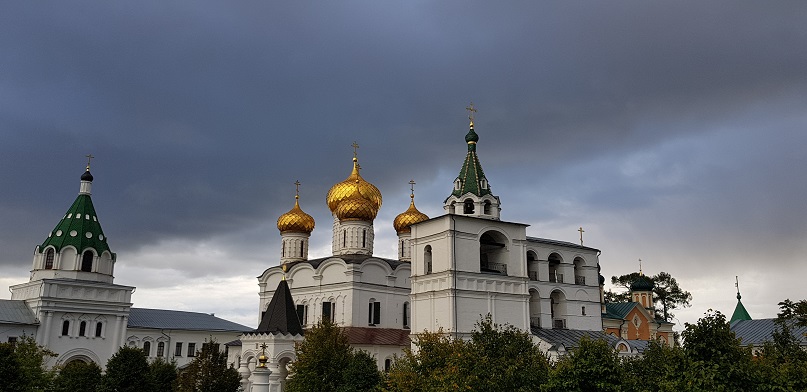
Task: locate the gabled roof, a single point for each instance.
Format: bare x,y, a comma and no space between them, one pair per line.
560,243
16,312
757,332
619,310
377,336
570,338
176,319
78,227
281,315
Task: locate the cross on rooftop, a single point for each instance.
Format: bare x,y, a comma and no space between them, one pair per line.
581,234
89,158
355,148
471,110
297,185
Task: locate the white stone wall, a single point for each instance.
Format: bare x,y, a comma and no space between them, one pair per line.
137,336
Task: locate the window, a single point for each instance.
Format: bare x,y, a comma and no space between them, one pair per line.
147,348
65,327
387,364
427,259
363,238
406,315
487,207
584,310
328,310
302,314
99,327
344,238
160,349
49,259
457,184
374,316
302,248
178,350
86,261
283,249
191,349
402,248
468,206
82,329
12,339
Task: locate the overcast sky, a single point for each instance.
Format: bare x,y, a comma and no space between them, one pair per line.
674,132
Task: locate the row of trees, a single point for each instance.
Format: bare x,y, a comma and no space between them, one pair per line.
22,369
500,358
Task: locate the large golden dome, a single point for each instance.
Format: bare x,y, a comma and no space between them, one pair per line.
295,220
356,206
408,218
344,189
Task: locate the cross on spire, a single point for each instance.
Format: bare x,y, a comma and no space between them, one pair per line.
640,268
89,158
581,234
355,149
412,188
471,110
297,191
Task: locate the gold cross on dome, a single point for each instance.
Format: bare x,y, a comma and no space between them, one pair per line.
89,158
581,234
412,188
471,110
297,191
355,148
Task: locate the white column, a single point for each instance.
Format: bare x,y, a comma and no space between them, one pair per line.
259,380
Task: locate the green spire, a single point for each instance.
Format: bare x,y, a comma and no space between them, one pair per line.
739,311
471,174
79,227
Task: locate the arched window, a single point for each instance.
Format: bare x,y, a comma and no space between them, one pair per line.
99,327
555,275
427,259
82,329
160,349
49,259
147,348
535,308
532,265
487,207
387,364
492,248
468,206
406,314
374,314
65,327
579,278
86,261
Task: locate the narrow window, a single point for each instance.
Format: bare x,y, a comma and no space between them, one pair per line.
86,261
387,364
160,349
344,238
65,327
427,259
82,329
487,207
374,313
99,327
402,248
584,310
363,238
49,259
178,350
191,349
302,248
283,249
301,314
406,315
147,348
327,311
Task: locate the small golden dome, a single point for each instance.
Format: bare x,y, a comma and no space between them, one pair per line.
344,189
295,220
356,206
408,218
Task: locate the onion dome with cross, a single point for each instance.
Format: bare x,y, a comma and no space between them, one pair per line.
406,219
345,189
296,220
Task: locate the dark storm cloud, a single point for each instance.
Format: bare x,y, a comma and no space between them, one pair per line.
201,114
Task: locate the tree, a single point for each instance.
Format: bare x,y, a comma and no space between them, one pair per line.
592,366
162,375
126,371
496,358
660,368
796,311
326,363
782,362
208,372
78,376
22,366
666,292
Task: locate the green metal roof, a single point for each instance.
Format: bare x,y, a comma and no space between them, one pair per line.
618,310
471,173
78,228
739,311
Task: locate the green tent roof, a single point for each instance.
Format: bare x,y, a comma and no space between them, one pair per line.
739,311
78,228
471,173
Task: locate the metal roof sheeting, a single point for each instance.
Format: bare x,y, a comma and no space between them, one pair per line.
757,332
15,312
176,319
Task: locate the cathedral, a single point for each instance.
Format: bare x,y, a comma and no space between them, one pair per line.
450,272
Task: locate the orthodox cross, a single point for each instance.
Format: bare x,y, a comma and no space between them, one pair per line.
89,158
355,148
297,184
412,186
581,234
471,110
737,284
640,267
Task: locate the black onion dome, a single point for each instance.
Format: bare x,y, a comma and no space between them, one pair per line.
86,176
643,283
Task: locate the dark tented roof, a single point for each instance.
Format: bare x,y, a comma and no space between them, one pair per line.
15,312
176,319
281,315
757,332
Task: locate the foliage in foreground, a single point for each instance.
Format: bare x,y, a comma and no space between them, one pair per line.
208,372
22,366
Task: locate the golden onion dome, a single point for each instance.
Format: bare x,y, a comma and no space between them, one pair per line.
295,220
344,189
356,206
408,218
